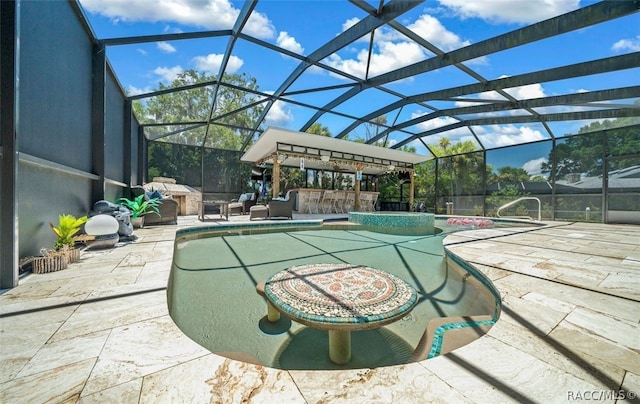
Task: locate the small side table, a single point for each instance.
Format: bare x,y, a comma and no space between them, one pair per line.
223,206
258,212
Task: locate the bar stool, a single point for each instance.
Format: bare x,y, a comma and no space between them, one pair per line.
338,201
349,201
313,200
327,201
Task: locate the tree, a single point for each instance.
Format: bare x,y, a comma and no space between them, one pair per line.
584,152
318,129
185,111
509,175
460,170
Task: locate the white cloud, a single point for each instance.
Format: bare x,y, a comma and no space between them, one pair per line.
631,45
141,51
350,23
289,43
166,47
389,56
509,11
131,90
534,167
168,74
506,135
526,92
209,14
529,91
433,31
392,50
278,115
211,63
432,123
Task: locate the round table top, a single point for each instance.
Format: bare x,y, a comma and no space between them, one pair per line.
340,296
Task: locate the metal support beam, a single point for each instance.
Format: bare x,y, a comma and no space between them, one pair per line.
562,116
143,153
128,138
9,39
578,19
556,100
98,113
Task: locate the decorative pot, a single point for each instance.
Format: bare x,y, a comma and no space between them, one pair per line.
71,253
138,222
51,263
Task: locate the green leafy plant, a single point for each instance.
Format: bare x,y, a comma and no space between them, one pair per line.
139,206
68,226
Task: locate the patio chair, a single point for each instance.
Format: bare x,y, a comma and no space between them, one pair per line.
349,201
327,201
365,201
242,205
283,208
338,201
313,201
372,201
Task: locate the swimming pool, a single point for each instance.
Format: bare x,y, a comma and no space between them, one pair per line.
212,297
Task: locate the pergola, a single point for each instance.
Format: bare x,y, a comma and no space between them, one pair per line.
281,147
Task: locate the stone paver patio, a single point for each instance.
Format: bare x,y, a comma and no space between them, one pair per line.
100,331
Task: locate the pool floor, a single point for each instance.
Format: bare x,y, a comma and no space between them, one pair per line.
212,296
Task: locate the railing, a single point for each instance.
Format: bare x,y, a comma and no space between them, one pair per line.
506,205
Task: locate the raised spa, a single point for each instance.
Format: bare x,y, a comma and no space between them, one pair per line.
396,222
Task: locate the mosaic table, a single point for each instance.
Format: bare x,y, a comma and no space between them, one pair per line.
340,298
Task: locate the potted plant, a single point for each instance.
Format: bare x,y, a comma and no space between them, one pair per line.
68,226
139,207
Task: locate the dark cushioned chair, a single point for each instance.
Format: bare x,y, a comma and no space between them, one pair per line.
168,209
283,208
242,205
168,213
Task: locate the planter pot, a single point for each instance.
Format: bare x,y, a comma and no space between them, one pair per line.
52,263
138,222
72,254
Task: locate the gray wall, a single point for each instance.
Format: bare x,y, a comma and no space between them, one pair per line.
55,130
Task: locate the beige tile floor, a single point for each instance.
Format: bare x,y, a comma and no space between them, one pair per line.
100,332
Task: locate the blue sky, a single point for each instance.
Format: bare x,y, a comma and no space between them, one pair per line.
303,26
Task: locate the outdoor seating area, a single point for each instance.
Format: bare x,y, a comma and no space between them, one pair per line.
242,205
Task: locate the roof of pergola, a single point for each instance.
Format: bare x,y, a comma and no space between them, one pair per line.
321,152
455,112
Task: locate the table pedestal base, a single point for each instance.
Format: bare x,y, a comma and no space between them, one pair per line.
273,315
339,346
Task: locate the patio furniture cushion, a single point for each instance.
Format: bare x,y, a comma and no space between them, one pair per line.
242,205
258,212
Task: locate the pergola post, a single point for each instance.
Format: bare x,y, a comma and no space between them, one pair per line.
275,187
356,203
411,191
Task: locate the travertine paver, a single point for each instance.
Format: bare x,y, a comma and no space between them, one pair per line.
99,331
